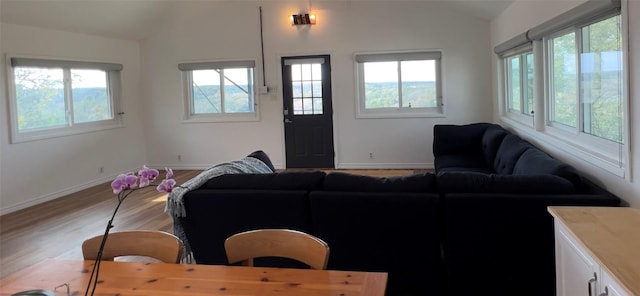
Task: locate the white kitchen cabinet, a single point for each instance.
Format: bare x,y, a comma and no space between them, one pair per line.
611,287
576,271
597,251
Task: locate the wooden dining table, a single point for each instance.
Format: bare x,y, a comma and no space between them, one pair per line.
139,278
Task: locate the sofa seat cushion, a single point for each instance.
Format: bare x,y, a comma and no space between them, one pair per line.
337,181
472,182
462,162
536,162
296,180
511,148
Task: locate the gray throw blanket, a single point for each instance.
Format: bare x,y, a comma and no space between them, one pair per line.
175,203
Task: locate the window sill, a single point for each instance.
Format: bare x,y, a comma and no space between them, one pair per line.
20,137
222,118
398,114
577,150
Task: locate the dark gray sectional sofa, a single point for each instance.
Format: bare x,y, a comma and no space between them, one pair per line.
495,189
477,226
370,224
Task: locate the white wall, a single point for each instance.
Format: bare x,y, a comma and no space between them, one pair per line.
525,14
208,31
36,171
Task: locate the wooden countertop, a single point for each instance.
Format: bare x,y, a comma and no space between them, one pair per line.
612,237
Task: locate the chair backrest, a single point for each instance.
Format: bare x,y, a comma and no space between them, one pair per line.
245,246
159,245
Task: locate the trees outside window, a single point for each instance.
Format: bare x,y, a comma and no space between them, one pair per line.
219,91
519,82
586,79
403,84
50,98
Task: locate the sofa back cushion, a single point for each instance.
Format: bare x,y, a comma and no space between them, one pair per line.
510,150
491,140
536,162
471,182
212,215
397,233
425,182
458,139
295,180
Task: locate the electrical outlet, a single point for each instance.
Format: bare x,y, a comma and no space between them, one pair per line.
370,155
101,170
179,157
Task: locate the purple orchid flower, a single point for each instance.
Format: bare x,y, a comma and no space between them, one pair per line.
147,176
166,185
123,182
144,178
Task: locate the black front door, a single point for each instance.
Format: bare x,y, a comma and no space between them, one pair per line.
308,113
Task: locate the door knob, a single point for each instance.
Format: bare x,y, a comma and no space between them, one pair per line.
287,120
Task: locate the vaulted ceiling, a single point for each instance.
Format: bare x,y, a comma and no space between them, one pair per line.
136,19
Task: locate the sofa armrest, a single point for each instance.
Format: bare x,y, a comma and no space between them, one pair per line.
507,234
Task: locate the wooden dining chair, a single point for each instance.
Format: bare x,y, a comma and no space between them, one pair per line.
245,246
159,245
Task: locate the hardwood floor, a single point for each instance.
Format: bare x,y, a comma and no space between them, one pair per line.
56,229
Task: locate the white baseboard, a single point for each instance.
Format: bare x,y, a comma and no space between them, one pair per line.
52,196
373,166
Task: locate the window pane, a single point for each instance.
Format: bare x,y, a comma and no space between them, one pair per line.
601,77
90,93
296,72
297,88
306,72
381,85
307,106
528,84
419,84
514,83
317,105
297,106
564,80
306,89
306,81
317,88
237,90
316,72
39,98
206,92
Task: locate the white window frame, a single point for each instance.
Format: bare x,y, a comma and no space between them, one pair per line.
112,71
523,116
400,112
189,116
605,153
